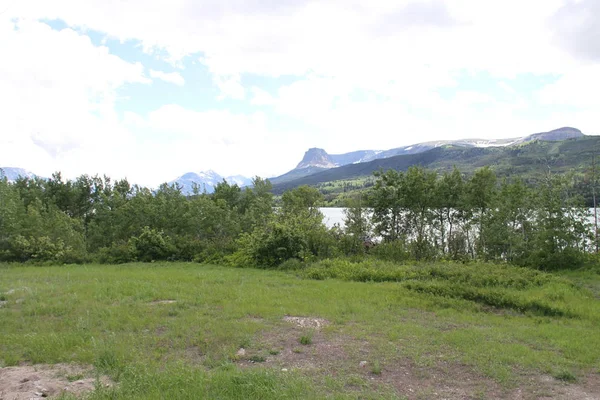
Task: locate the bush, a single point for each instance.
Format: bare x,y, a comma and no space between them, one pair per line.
152,245
117,253
457,247
391,251
216,251
292,264
568,258
187,248
351,245
40,249
302,237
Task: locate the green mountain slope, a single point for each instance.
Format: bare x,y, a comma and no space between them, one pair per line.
528,160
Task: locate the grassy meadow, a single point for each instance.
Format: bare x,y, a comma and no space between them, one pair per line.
365,330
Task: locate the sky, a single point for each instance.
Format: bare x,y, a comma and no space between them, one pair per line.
152,89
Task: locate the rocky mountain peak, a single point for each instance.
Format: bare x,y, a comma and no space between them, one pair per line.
556,135
316,157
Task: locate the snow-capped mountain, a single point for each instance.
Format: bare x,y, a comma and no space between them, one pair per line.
12,174
320,159
207,180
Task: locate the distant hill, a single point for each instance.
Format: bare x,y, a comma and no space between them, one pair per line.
316,160
12,174
207,180
528,157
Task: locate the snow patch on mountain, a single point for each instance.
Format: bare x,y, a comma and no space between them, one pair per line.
206,181
12,174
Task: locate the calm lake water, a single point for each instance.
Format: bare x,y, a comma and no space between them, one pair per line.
335,215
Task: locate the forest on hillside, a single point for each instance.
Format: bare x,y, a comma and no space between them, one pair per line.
418,214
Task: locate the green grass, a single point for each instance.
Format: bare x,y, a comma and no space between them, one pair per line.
305,339
499,322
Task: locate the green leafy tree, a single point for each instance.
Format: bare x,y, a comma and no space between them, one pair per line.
386,202
561,227
447,206
480,193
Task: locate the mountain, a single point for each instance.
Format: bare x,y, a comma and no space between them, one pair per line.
207,180
319,159
13,173
555,135
316,158
560,150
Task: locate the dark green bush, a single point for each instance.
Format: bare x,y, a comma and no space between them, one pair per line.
118,253
152,245
391,251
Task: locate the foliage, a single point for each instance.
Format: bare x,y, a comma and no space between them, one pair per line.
151,245
500,286
295,232
418,214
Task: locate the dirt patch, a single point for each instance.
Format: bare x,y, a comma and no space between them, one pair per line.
47,381
357,363
547,387
157,302
306,322
282,347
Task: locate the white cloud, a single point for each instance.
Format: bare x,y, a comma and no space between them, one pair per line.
170,77
261,97
328,37
230,87
57,96
368,74
226,142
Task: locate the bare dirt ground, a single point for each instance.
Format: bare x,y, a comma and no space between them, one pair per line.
331,354
47,381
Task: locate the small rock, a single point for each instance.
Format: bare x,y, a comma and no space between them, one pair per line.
3,303
362,364
284,369
241,352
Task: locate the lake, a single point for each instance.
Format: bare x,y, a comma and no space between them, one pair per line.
335,215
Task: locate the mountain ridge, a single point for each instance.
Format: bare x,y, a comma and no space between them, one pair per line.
13,173
317,160
317,157
527,154
207,181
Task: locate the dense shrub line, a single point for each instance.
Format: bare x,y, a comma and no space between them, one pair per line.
499,286
416,215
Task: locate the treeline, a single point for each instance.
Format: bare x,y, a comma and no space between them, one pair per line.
426,215
417,214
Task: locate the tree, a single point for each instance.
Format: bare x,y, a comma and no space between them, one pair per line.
356,218
418,201
508,227
480,193
386,202
447,201
561,229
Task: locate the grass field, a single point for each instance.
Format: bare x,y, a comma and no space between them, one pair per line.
189,331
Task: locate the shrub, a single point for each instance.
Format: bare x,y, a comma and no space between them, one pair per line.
117,253
391,251
306,339
152,245
292,264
